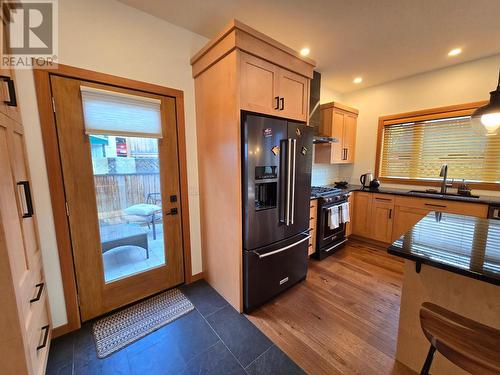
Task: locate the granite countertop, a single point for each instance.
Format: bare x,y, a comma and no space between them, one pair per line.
466,245
406,192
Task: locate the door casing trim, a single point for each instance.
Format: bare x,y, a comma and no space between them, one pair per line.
56,183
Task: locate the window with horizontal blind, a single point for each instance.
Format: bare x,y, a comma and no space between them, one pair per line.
414,151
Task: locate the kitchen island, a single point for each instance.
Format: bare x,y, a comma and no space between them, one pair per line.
452,261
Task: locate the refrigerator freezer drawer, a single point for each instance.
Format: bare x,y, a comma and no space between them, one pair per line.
270,272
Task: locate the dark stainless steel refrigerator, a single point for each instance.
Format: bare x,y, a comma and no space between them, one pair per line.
277,162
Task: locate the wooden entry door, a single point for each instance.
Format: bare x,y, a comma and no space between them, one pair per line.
122,196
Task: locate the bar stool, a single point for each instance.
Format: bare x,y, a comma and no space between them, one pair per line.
470,345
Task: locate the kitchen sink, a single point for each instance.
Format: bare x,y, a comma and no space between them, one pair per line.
439,195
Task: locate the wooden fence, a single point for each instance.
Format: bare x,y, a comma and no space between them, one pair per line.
115,192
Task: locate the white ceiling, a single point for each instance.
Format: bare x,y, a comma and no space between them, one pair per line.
380,40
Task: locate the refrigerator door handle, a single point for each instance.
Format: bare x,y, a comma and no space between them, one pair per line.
283,248
288,185
294,143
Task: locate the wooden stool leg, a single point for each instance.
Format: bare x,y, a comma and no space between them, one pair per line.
428,361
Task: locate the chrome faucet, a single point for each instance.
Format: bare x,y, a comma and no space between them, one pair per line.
444,174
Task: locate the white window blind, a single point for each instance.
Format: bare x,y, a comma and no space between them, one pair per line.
114,113
417,150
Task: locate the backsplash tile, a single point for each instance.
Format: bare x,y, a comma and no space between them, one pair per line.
324,174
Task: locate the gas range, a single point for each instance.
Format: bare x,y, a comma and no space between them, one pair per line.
328,194
328,238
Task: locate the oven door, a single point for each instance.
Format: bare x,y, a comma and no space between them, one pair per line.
326,235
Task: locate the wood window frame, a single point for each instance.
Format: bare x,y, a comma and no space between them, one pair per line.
56,184
457,110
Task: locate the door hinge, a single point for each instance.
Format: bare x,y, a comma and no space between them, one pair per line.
53,105
67,208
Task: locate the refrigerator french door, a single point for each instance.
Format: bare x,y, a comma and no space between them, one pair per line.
277,161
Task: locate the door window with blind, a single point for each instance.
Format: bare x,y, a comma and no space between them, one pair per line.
412,151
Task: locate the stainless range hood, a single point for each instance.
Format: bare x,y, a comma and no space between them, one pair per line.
319,140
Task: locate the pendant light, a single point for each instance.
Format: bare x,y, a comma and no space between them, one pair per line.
486,119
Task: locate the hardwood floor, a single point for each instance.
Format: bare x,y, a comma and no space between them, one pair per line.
343,319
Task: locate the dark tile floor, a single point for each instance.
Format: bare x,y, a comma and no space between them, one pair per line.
212,339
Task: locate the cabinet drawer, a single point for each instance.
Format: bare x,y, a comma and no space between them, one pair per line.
461,208
33,293
39,334
383,198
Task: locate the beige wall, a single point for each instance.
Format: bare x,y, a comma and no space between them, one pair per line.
467,82
109,37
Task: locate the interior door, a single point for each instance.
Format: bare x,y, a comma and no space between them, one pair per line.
122,194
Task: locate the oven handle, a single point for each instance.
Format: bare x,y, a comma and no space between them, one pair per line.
294,143
283,248
336,245
338,203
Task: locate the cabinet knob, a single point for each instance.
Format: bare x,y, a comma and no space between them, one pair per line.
282,101
277,98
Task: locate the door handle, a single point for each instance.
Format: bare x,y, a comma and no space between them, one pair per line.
346,153
294,143
282,101
39,293
390,213
283,248
277,98
173,211
289,163
27,198
12,102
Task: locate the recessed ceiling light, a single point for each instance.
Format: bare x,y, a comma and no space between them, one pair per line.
358,80
305,51
455,51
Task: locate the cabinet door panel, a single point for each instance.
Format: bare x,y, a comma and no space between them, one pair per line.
382,219
337,132
362,214
349,138
30,234
258,85
293,90
405,218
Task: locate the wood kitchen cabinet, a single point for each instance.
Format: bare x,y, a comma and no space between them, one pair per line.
337,121
313,222
267,88
25,325
382,217
408,211
386,217
348,226
404,219
361,217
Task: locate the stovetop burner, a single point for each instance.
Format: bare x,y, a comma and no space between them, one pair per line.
321,191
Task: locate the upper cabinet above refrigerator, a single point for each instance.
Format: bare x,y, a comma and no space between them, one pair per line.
268,89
